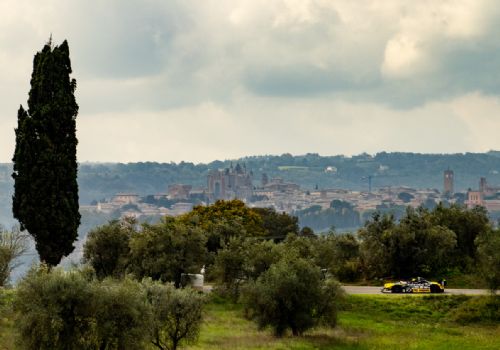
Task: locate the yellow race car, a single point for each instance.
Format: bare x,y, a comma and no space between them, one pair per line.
415,285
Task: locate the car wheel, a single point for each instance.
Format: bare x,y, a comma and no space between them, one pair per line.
435,289
397,289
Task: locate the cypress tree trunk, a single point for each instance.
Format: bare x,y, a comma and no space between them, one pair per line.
45,197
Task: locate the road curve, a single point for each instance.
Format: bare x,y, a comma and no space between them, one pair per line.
376,290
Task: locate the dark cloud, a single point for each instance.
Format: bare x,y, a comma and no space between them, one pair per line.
294,81
187,52
243,58
124,39
473,69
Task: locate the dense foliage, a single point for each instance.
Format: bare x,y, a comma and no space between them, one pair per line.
277,225
72,310
292,294
167,250
414,246
176,315
45,169
424,242
107,248
288,284
237,244
225,219
55,311
339,254
242,260
340,214
467,225
176,246
488,251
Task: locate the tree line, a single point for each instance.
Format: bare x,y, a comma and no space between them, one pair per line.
340,214
285,278
241,246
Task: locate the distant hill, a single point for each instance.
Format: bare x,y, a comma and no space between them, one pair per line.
310,170
102,180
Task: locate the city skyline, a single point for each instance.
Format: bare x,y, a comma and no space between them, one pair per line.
199,81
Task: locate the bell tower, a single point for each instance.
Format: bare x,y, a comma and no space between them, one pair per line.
448,182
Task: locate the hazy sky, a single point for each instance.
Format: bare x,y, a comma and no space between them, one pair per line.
198,80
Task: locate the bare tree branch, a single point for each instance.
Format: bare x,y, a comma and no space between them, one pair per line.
13,244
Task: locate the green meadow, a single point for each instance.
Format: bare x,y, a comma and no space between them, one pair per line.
365,322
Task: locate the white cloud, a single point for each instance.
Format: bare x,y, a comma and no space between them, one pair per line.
238,77
425,30
404,57
256,125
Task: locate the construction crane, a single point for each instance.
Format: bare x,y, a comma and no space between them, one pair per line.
369,178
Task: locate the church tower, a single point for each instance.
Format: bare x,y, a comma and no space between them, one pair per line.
448,182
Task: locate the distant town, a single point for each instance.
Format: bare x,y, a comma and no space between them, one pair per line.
238,182
322,191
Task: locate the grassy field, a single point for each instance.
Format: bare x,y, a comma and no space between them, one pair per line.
6,320
366,322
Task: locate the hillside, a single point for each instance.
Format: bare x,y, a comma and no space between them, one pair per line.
102,180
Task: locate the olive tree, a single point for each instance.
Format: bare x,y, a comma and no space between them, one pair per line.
292,294
167,250
176,315
107,248
122,314
243,259
13,244
66,310
339,255
488,249
55,311
414,246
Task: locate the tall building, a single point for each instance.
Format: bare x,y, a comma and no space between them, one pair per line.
230,183
265,180
448,182
483,185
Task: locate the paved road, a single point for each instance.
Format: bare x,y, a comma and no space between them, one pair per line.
376,290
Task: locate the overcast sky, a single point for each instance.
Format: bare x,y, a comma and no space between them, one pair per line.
198,80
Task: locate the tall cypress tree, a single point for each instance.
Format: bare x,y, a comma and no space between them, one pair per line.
45,169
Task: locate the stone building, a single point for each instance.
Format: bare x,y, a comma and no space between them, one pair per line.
277,184
125,198
448,178
179,191
230,183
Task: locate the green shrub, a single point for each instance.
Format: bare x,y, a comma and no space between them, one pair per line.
122,314
176,315
55,311
107,248
488,251
241,260
292,295
167,250
66,310
484,309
